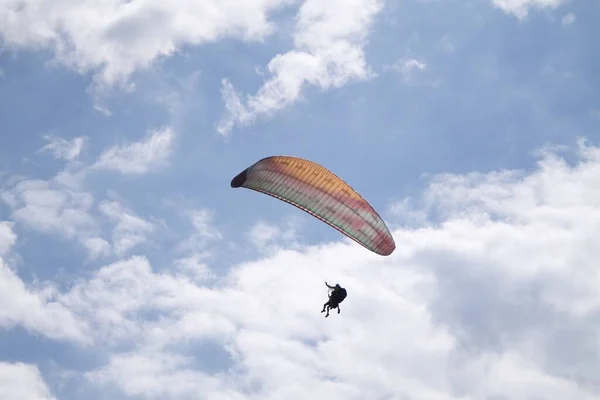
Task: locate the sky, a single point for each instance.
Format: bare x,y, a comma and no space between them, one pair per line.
130,269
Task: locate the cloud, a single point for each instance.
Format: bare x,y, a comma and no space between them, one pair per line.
36,309
520,8
408,214
481,303
114,39
97,247
23,382
49,207
328,53
196,249
407,66
568,19
64,149
7,237
166,376
57,206
109,300
492,293
62,205
194,267
129,231
270,238
262,233
138,157
203,224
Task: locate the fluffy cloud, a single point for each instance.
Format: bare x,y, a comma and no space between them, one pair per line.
329,40
138,157
491,293
57,206
115,38
23,382
36,310
494,297
164,376
97,247
50,207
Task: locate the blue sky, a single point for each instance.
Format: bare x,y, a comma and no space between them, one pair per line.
130,269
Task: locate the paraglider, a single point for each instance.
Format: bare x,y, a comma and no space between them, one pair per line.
337,294
319,192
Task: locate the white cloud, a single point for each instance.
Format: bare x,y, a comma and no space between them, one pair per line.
96,247
61,205
110,298
7,237
114,38
204,231
497,298
129,231
481,304
163,376
269,238
19,381
58,207
520,8
408,213
203,223
36,309
48,207
262,233
64,149
328,53
568,19
138,157
407,66
194,267
196,248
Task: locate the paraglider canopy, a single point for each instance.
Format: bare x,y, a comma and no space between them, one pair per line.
319,192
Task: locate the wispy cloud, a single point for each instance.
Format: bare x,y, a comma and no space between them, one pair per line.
7,237
130,230
194,251
568,19
138,157
270,238
521,8
407,66
64,149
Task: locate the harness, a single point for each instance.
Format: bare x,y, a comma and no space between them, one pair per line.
336,296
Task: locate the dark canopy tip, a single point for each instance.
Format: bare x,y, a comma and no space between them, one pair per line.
239,179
